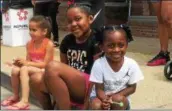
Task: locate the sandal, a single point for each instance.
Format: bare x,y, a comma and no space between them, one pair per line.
13,107
9,101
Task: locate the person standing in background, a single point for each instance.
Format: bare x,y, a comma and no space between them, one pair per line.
48,8
163,11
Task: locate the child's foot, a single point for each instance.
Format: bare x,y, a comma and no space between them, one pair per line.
19,106
9,101
161,59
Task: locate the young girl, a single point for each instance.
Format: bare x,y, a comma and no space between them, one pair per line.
115,75
39,52
67,80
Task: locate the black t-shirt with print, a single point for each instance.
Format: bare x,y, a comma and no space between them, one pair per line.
80,56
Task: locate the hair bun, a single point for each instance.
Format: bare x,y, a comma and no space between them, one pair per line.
126,28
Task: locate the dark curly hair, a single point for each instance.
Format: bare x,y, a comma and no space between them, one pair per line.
101,33
86,8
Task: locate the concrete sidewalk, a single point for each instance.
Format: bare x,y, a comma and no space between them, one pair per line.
5,94
154,92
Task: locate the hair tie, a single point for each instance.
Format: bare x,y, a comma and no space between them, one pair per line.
121,26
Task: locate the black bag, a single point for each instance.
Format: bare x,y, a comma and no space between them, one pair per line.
16,4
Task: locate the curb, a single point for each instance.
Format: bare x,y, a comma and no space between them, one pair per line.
5,82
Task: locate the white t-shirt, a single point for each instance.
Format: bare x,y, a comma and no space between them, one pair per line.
114,82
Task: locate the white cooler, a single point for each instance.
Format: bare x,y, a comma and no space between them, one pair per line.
15,26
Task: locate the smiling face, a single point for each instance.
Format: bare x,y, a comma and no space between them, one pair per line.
35,31
79,22
115,45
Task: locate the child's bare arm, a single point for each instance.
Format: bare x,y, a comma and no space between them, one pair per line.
101,95
48,57
128,91
27,53
98,55
86,100
100,91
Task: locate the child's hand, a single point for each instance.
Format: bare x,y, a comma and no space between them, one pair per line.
9,64
106,104
20,62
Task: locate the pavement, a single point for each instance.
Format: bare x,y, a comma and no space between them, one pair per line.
154,92
5,93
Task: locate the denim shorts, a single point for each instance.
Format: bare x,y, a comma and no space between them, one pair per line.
155,0
128,107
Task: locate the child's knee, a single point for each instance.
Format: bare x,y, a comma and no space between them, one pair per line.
36,79
52,68
96,104
120,99
117,98
15,71
37,83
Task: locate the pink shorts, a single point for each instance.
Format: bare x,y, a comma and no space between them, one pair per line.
78,105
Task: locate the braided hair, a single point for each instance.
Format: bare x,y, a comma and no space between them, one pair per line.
101,33
86,8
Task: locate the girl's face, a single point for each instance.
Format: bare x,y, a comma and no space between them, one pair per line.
35,31
78,22
115,46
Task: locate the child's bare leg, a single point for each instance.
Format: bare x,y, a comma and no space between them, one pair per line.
15,87
119,98
96,104
25,72
24,78
39,90
15,81
64,83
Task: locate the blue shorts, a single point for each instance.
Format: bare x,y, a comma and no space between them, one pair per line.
128,107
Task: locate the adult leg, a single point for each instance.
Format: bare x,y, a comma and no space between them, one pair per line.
166,13
65,83
163,56
52,13
40,91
